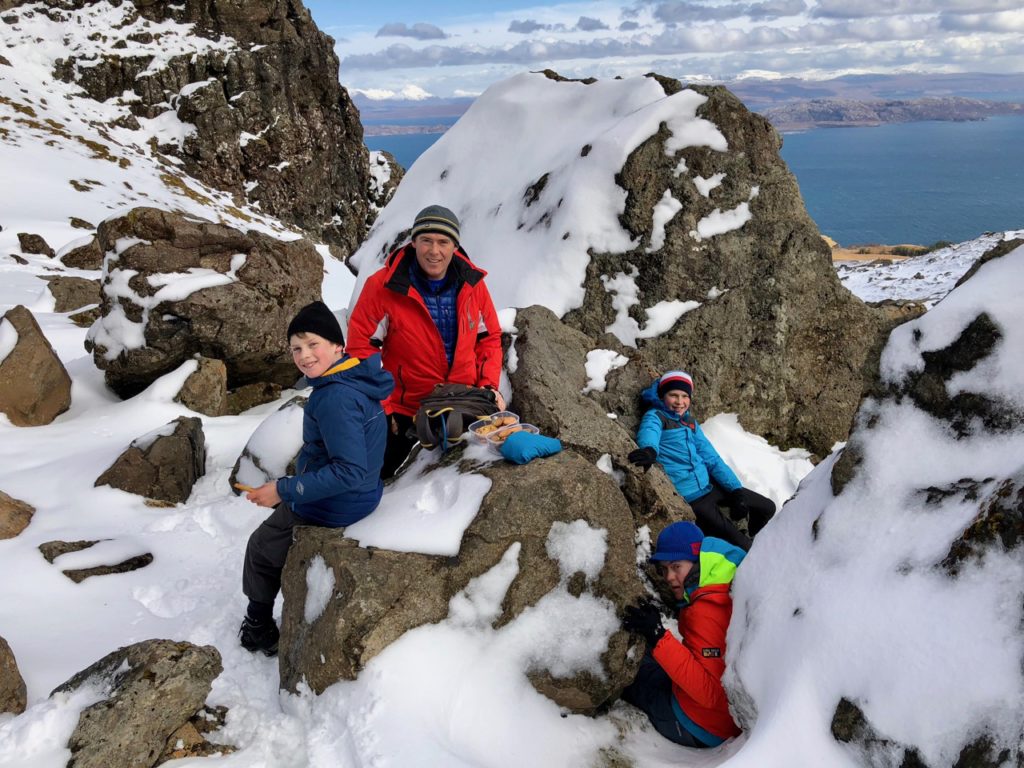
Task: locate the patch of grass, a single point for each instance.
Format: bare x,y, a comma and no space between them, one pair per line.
175,184
17,106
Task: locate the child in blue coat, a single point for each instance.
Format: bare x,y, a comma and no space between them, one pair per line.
669,435
344,431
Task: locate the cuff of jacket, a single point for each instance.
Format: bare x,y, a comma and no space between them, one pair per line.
284,489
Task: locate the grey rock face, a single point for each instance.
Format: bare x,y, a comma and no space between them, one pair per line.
154,688
379,595
162,465
242,320
776,338
71,293
34,386
206,390
15,516
273,123
13,694
385,175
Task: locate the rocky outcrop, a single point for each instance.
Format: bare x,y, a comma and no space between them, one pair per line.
385,175
15,516
13,694
71,293
154,688
379,595
775,337
163,464
272,123
206,389
175,287
34,386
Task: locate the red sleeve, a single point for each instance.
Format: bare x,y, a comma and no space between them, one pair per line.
488,342
366,316
701,680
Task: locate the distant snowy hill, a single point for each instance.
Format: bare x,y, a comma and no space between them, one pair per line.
926,278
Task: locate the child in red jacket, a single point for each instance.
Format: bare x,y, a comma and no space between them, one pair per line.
679,684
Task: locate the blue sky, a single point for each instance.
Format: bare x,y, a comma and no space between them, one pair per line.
454,48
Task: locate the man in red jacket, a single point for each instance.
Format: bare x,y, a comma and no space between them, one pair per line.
679,684
429,314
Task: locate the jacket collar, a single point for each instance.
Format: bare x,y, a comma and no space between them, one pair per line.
399,264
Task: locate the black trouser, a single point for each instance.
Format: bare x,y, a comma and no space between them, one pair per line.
398,445
265,554
708,511
651,692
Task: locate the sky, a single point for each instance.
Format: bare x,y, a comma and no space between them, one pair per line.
453,49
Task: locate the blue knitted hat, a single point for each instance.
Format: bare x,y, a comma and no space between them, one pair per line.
679,541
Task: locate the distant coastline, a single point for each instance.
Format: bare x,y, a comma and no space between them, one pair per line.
848,113
402,130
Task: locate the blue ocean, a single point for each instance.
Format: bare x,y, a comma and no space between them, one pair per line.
907,183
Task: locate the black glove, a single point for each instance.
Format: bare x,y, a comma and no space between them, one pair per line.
737,505
644,618
643,457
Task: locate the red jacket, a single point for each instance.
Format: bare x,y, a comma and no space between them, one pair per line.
696,665
390,317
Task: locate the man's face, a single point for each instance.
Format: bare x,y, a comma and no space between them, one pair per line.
676,401
675,574
434,253
313,354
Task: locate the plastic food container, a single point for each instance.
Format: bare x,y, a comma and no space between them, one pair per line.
496,439
477,428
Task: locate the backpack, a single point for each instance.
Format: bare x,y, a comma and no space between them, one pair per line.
446,413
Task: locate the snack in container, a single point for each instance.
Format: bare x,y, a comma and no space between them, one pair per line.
498,437
487,426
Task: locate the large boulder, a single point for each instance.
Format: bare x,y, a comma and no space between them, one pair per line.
378,595
258,83
13,694
34,386
273,447
152,689
175,286
15,516
926,505
163,464
206,388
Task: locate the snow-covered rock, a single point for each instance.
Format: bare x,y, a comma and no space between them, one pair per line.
885,601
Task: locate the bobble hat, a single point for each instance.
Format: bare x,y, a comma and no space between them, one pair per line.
675,380
437,219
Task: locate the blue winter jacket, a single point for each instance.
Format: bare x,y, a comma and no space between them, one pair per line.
689,459
344,430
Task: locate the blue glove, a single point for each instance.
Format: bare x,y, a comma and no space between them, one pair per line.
523,447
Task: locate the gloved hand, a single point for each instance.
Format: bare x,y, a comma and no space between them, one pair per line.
738,508
644,618
643,457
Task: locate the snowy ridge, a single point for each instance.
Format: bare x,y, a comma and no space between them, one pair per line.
531,219
926,278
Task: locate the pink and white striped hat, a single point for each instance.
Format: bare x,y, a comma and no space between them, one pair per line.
675,380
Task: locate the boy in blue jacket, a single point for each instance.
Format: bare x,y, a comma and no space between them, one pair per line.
344,431
669,435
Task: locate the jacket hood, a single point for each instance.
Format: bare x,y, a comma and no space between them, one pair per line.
718,563
367,376
650,398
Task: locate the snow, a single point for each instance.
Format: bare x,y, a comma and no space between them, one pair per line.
719,222
8,339
605,465
704,186
664,210
601,362
578,548
426,510
548,204
625,294
319,588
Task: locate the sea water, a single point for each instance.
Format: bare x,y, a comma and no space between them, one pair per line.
906,183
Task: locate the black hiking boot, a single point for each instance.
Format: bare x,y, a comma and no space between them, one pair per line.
259,636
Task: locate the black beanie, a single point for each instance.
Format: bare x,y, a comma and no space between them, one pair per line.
317,318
